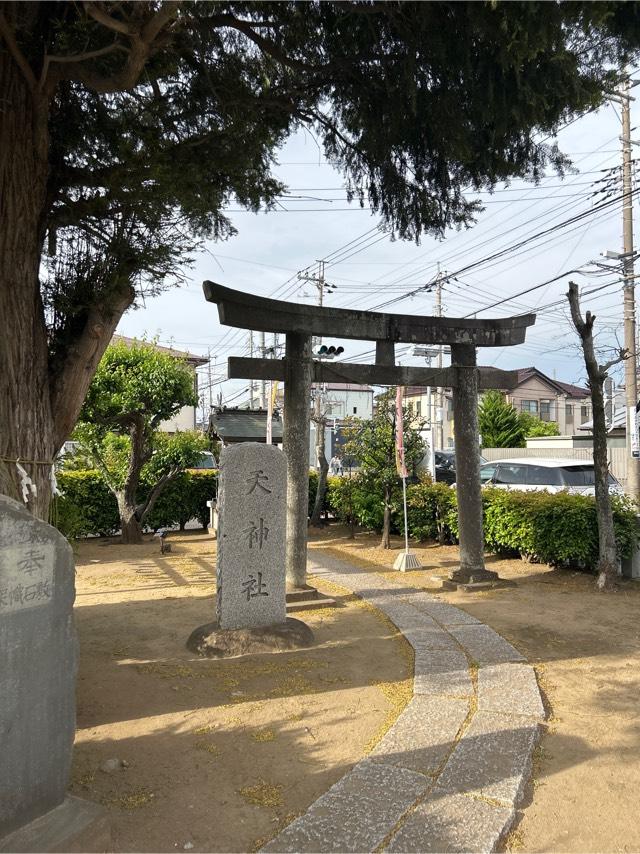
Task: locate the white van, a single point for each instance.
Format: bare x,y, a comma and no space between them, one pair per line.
548,475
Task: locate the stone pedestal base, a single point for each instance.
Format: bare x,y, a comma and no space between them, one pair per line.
473,576
406,561
74,826
307,598
210,641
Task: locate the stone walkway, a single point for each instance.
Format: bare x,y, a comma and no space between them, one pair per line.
447,776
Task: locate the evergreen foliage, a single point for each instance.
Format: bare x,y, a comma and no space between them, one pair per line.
372,445
499,423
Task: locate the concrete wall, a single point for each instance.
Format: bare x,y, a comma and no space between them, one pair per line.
183,420
342,402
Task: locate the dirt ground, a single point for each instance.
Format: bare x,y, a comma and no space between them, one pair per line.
218,755
585,647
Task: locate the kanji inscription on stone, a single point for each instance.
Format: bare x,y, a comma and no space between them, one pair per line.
26,576
251,536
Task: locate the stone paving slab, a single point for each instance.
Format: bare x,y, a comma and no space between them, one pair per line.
356,814
445,614
447,822
427,659
428,637
509,689
423,735
492,759
484,645
443,683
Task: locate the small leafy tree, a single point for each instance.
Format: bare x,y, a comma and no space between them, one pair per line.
534,426
499,424
372,444
134,390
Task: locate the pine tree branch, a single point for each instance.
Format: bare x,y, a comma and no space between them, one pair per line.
8,35
69,383
143,42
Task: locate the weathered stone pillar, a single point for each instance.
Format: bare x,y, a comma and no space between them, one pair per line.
295,437
467,447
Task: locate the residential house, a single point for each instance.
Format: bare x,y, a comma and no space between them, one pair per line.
185,419
347,400
549,399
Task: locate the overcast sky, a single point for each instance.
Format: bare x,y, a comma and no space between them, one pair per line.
367,268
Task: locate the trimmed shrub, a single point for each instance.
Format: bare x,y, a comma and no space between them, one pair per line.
87,506
87,500
429,508
559,529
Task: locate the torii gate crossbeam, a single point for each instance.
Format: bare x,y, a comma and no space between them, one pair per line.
300,322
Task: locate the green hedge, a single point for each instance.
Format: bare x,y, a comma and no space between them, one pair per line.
87,506
558,529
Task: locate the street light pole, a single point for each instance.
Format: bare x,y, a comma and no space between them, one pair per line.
630,365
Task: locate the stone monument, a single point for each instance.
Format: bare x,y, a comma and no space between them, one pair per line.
250,572
38,663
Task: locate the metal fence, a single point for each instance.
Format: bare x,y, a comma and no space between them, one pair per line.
617,456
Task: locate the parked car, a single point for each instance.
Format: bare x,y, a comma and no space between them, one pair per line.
548,475
445,466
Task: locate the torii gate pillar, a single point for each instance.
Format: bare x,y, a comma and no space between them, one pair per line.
465,419
295,439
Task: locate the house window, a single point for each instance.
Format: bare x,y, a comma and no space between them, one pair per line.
546,412
585,413
355,410
568,411
418,407
530,406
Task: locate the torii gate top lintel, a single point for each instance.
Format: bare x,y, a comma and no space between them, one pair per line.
246,311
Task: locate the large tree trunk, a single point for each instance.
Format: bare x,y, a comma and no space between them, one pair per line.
26,421
39,402
129,523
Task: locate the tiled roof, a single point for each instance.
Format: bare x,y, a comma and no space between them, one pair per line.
179,354
244,425
565,388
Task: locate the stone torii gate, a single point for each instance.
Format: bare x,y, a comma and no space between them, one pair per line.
298,370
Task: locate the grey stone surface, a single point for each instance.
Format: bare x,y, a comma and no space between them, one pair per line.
251,585
446,615
424,734
492,759
37,668
356,814
429,637
428,659
447,822
447,683
209,641
74,826
510,689
484,645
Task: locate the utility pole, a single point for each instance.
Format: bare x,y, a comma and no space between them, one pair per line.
439,434
251,406
630,365
263,383
206,419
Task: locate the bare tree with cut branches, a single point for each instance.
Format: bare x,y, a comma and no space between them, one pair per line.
597,374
